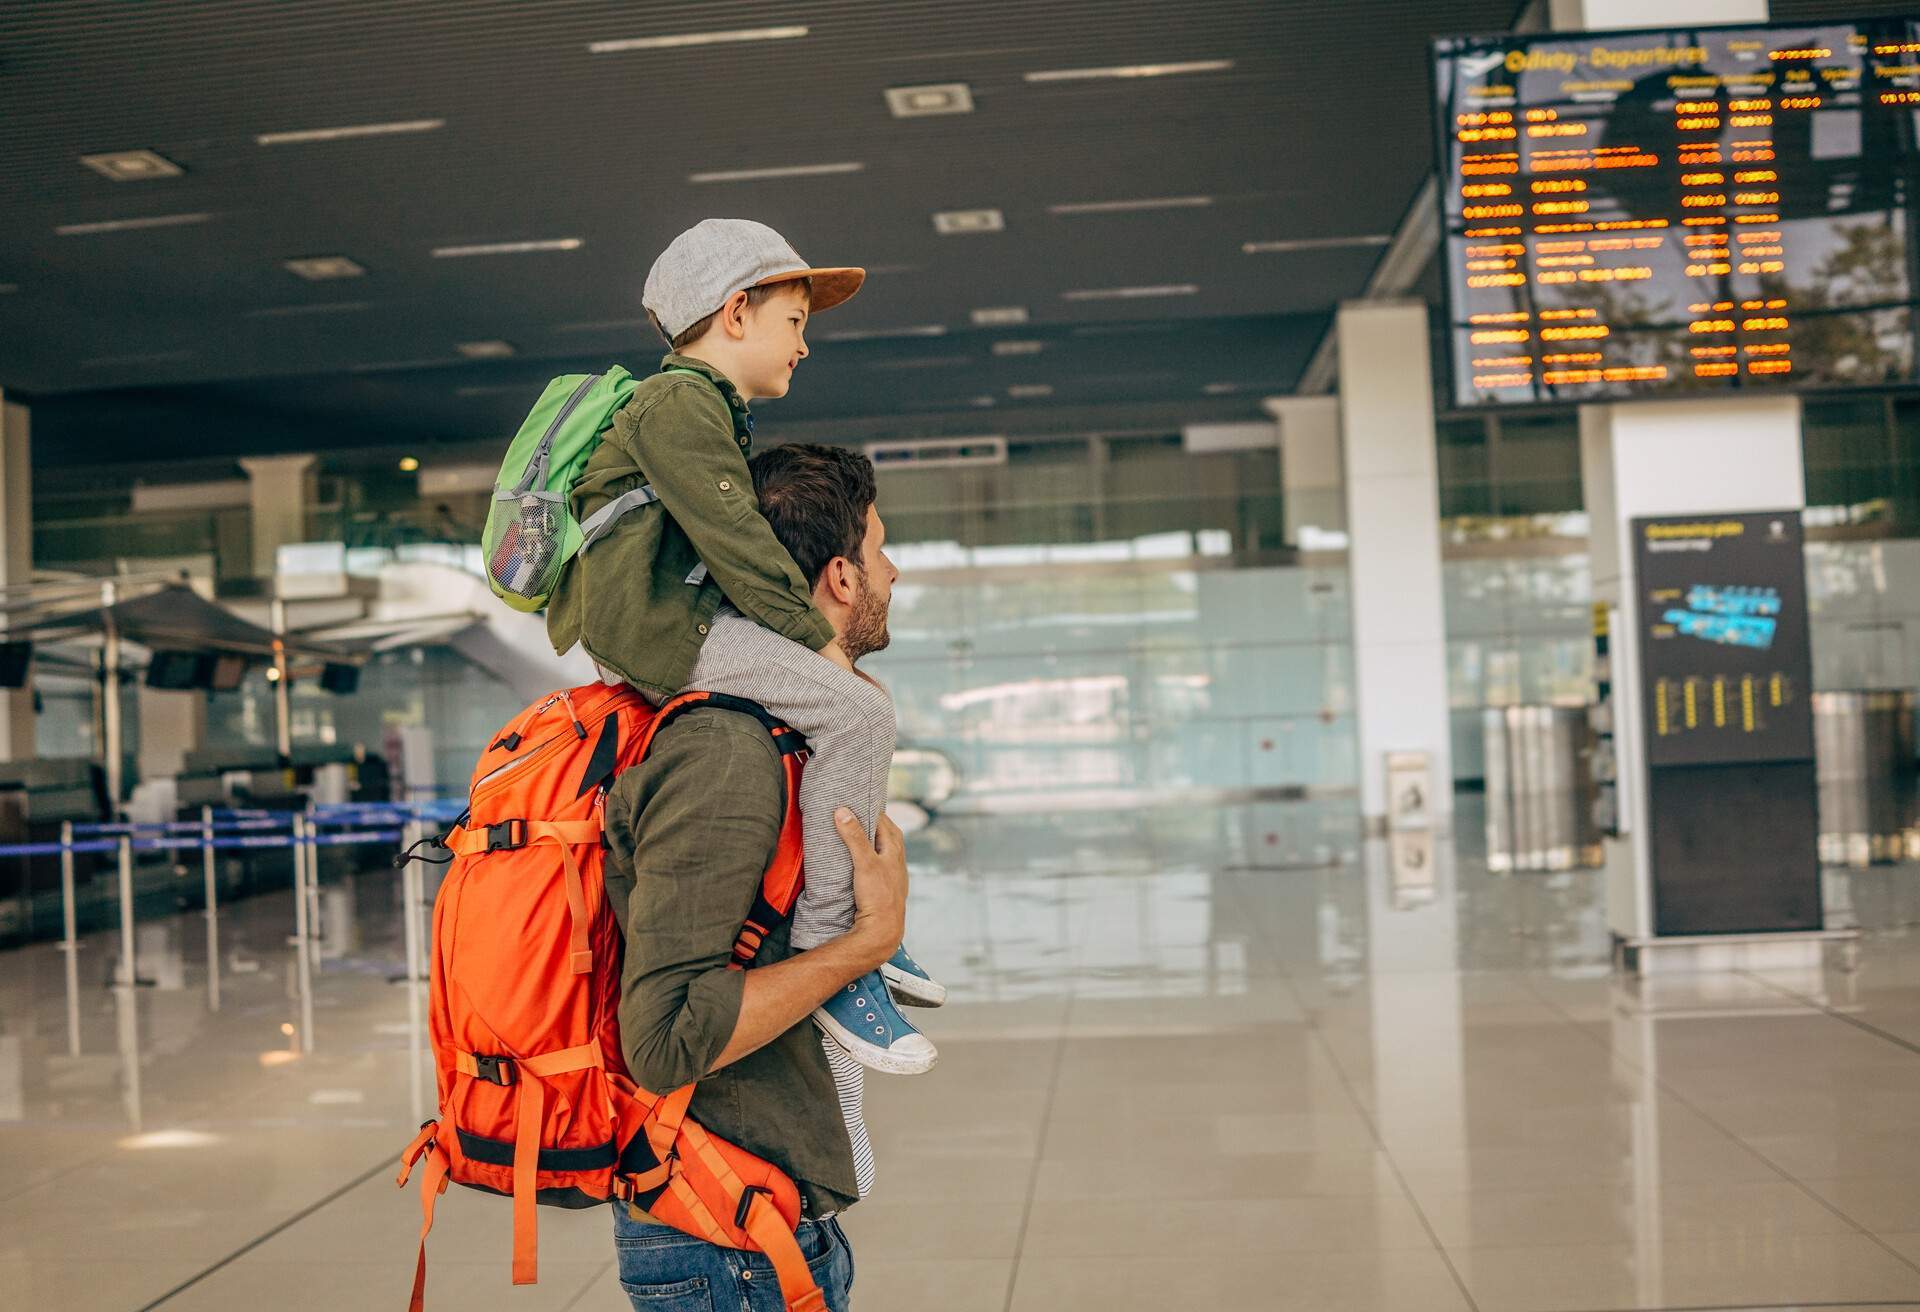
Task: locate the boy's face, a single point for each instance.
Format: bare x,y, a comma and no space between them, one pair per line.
774,343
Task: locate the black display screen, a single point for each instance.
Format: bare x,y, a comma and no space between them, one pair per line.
1724,655
1684,211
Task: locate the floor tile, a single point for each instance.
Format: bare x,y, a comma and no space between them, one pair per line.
1279,1282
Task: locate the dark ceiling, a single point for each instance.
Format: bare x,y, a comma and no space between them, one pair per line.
192,339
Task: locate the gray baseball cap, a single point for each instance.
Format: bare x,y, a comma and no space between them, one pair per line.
715,258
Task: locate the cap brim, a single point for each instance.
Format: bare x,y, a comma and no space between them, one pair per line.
831,287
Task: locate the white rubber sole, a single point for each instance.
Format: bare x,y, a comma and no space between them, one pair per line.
891,1061
910,990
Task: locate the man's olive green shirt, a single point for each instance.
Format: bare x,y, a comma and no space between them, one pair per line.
637,599
689,833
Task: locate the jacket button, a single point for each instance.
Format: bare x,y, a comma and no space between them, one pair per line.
726,485
703,629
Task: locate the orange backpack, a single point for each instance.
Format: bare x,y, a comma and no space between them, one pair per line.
536,1102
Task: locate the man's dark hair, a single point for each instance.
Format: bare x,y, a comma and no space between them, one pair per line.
816,498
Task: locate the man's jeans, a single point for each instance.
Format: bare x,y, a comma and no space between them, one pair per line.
668,1270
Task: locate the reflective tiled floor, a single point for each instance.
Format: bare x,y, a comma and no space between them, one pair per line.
1195,1059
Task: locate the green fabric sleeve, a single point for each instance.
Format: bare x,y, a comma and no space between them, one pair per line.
684,441
694,828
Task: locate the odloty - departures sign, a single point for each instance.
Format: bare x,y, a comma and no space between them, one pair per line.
1696,210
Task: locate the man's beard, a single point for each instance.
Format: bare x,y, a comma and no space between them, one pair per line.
866,628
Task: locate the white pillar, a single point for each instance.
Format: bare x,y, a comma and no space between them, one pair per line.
16,560
1310,474
282,491
1393,525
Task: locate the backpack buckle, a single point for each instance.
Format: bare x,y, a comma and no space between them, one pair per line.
746,1204
507,836
495,1070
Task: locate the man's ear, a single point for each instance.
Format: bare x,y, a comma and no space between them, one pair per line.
733,316
839,581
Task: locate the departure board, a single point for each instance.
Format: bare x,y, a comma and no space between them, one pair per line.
1724,652
1698,210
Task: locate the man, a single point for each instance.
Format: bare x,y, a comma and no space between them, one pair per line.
689,833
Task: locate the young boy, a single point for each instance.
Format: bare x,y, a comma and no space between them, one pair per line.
694,592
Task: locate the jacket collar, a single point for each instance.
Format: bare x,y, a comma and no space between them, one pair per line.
735,402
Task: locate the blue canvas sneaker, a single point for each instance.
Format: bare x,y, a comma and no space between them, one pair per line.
862,1019
910,984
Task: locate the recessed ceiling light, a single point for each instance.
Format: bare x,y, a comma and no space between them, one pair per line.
924,362
409,463
999,316
684,40
129,225
882,334
1130,70
924,102
950,223
1129,206
323,268
784,171
1313,244
493,349
328,307
507,248
982,402
356,130
1221,389
1129,293
1029,391
132,165
1018,348
8,288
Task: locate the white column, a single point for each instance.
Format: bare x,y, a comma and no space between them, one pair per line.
282,490
1393,525
16,560
1666,458
1310,473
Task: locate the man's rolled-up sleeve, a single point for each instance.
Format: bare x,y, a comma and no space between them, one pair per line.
697,828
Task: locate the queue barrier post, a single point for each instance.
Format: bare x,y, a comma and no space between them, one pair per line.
210,875
70,936
302,932
127,976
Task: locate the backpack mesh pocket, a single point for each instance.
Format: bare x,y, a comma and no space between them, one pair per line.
525,561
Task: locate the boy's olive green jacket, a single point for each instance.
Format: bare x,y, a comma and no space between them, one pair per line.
639,600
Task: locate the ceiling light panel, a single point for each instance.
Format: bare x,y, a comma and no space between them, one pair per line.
952,223
349,133
1133,206
132,165
129,225
488,350
1130,71
689,39
1130,293
507,248
324,268
781,171
1018,348
1313,244
929,101
885,334
1029,391
999,316
291,311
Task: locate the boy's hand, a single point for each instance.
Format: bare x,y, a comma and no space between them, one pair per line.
879,884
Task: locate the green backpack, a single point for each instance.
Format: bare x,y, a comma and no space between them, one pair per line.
531,533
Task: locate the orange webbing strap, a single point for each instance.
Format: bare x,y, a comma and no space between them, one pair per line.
663,1122
769,1230
433,1183
529,1113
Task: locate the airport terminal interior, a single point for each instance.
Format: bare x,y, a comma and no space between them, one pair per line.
1405,653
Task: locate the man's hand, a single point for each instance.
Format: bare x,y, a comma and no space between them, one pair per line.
879,884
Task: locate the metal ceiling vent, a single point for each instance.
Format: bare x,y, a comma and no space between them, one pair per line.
924,102
132,165
950,223
936,452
